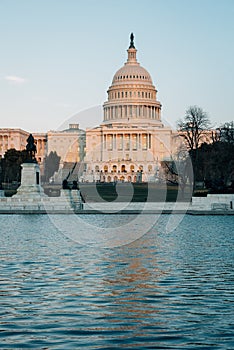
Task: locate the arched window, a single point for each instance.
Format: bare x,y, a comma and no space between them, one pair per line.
123,168
114,168
105,169
132,168
96,168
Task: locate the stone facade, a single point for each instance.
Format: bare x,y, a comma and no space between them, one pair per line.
30,182
69,144
17,138
131,141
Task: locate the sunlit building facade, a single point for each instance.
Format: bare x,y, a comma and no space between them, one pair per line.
132,140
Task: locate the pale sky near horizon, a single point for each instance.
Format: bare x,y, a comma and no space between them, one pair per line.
58,58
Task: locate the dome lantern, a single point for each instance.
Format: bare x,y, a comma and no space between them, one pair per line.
131,51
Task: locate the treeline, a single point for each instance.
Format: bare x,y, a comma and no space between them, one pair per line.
214,165
10,166
207,161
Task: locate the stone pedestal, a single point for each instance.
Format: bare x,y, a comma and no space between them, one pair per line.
30,182
2,194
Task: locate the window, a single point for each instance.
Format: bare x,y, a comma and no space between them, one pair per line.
127,142
120,142
110,142
134,142
144,141
130,111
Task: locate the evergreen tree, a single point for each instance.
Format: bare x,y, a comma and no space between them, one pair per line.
51,165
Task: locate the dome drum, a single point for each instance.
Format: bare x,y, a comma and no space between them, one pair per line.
132,94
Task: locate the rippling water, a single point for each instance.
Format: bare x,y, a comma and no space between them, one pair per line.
164,291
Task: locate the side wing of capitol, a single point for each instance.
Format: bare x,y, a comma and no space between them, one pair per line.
131,141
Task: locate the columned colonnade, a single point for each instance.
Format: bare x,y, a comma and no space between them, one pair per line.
127,141
132,111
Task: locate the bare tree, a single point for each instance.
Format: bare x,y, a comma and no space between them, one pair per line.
226,132
179,171
194,126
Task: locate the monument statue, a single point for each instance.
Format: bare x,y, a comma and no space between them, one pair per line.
131,42
31,150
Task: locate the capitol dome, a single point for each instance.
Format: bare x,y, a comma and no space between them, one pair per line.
132,95
132,73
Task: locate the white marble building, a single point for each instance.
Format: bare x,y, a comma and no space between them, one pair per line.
132,140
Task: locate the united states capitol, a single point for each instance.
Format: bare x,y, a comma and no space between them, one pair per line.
127,146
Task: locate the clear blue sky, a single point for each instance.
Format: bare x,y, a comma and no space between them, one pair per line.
58,57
